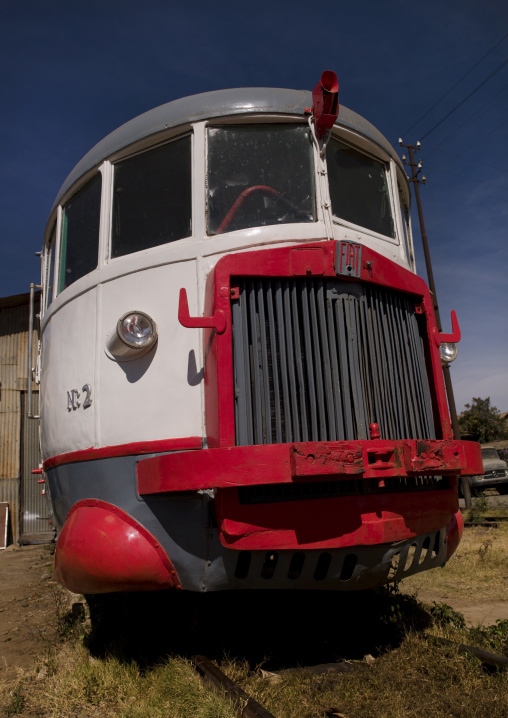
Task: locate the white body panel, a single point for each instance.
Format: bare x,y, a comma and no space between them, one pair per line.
143,399
160,395
68,363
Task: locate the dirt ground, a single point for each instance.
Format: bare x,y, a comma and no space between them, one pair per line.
31,602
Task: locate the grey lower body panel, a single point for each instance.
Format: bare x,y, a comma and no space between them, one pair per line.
354,568
183,524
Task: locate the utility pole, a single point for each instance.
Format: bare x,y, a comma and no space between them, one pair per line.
415,171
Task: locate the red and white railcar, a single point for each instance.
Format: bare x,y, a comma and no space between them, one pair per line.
241,381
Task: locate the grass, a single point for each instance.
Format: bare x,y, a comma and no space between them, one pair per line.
413,680
76,685
406,676
478,569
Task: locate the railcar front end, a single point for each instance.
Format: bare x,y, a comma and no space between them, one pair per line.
241,382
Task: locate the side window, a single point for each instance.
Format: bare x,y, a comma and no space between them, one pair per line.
359,188
79,243
406,229
49,270
152,198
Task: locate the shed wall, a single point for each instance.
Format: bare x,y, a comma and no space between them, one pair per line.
14,315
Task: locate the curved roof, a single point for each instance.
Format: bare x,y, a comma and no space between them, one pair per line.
208,105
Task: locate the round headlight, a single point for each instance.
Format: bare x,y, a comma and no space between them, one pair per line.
137,330
134,336
448,352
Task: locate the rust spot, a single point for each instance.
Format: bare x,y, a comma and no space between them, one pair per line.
325,460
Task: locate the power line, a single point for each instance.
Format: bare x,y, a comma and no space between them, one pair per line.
472,118
454,109
457,83
476,192
487,134
461,176
474,161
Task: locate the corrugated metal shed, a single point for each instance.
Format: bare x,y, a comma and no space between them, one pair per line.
19,451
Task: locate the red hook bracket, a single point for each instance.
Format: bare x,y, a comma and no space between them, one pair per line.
217,322
454,337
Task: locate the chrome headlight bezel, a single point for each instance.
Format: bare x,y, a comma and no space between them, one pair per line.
132,339
448,352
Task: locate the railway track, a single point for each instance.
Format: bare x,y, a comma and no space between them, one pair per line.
248,707
488,521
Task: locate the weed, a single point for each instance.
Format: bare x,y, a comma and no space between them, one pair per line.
445,615
17,702
484,548
69,623
494,637
479,507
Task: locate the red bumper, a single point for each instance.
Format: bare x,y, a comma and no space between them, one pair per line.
341,521
287,463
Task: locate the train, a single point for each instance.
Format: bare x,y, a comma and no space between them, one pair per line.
240,371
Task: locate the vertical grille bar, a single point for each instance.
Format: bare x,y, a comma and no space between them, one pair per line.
291,359
384,416
321,360
272,328
336,383
370,367
265,365
340,308
309,357
318,375
254,322
326,367
299,363
243,414
281,324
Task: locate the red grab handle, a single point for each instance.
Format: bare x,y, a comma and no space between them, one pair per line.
217,322
454,337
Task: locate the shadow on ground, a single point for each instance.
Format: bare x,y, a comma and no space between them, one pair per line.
275,629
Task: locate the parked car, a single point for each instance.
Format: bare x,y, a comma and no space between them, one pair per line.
496,472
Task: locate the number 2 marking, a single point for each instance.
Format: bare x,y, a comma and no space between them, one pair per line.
87,389
73,395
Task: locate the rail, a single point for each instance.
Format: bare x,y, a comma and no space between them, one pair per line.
247,707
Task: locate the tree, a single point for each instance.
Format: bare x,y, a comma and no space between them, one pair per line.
482,422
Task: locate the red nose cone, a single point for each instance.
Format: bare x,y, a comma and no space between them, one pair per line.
329,81
103,550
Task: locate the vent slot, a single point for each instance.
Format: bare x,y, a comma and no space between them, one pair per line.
322,567
269,565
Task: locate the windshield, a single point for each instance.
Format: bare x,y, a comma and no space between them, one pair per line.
359,188
489,454
259,175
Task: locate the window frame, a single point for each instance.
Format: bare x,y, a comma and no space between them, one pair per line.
59,226
359,145
127,154
48,274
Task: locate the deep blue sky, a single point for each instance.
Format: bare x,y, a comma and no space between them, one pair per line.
71,72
